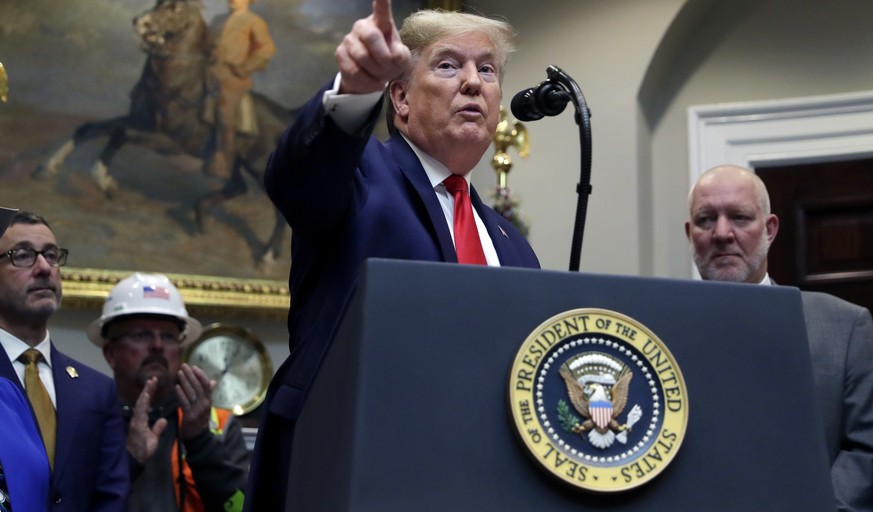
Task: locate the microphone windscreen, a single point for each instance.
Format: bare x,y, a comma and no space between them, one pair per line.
522,106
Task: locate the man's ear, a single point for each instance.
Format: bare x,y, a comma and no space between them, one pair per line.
688,230
398,94
772,227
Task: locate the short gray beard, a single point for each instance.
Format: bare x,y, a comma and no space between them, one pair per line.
711,272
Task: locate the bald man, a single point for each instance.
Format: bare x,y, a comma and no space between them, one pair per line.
730,230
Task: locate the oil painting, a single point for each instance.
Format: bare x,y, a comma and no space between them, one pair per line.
107,133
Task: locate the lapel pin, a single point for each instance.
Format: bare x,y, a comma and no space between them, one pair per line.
502,231
72,372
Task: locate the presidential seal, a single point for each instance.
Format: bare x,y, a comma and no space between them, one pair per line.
598,400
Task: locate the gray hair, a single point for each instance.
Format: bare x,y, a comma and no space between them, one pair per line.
762,197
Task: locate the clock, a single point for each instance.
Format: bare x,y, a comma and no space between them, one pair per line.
238,362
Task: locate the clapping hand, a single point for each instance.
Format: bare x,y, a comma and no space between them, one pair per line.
194,390
142,441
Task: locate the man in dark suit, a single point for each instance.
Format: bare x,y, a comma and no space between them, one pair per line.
89,465
730,230
24,468
348,197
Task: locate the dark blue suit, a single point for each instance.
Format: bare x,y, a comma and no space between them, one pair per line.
91,467
347,198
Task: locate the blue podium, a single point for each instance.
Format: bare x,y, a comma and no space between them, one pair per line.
409,411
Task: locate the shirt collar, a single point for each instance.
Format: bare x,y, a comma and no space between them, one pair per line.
436,171
14,347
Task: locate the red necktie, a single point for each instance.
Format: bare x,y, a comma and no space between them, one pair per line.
467,243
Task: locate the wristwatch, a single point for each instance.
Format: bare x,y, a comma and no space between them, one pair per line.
238,362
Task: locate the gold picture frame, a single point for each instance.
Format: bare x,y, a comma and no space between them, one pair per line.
203,295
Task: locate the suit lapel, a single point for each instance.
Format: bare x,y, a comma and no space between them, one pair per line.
65,393
499,237
414,172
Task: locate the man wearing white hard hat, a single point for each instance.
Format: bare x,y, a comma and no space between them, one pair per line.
184,454
76,407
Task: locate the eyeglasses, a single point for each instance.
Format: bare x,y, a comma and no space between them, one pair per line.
25,257
146,337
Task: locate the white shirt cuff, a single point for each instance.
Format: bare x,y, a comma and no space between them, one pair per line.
349,111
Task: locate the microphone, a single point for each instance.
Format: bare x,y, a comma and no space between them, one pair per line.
546,99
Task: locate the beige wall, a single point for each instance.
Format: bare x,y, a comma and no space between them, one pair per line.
640,65
605,46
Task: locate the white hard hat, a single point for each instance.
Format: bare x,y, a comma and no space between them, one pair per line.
144,294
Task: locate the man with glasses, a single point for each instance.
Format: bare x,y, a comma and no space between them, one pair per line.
184,453
76,407
24,467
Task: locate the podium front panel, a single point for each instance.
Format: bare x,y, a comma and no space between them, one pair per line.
410,412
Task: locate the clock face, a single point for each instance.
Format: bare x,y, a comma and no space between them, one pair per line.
238,363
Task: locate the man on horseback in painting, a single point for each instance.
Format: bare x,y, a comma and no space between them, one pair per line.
170,105
242,46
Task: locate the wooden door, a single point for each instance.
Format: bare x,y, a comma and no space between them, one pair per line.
825,239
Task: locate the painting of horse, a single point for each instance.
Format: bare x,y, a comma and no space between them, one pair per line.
167,114
105,135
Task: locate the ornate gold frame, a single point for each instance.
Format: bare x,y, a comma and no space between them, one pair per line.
204,295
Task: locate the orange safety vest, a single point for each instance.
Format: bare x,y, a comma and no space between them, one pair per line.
193,503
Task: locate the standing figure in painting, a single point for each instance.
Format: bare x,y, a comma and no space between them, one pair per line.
242,46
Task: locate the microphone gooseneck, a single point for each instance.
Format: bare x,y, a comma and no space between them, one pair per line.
549,98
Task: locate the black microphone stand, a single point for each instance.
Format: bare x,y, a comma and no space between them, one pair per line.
583,188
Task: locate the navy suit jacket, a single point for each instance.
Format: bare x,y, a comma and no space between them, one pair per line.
91,468
347,198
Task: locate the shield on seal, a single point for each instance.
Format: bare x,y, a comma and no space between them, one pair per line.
601,413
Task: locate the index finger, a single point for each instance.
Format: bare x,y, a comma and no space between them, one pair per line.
143,401
382,16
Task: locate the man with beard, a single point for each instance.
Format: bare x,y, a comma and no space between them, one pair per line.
76,407
730,230
184,454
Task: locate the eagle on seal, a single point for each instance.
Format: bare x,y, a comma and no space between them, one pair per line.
599,398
